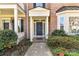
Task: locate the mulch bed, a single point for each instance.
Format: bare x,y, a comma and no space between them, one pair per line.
18,50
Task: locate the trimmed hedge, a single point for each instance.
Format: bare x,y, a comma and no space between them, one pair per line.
8,38
69,42
59,33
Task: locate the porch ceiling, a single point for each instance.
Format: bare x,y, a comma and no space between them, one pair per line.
6,12
9,12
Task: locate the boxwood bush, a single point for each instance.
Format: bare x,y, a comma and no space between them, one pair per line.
8,38
59,33
60,39
69,42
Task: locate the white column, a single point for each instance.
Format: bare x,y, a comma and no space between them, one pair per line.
16,20
35,29
10,25
46,28
27,20
43,27
19,24
31,30
58,22
66,24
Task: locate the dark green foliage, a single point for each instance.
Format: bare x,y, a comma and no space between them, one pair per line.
69,42
59,33
8,38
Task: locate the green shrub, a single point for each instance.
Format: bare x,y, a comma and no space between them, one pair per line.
71,54
59,33
8,38
76,37
63,41
58,50
66,52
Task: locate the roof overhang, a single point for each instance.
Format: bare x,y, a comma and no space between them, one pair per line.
68,12
39,12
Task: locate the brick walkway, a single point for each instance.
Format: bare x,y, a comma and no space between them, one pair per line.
38,49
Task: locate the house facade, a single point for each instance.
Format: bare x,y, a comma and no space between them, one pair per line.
44,18
39,20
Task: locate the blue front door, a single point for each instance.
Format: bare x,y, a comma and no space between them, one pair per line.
38,28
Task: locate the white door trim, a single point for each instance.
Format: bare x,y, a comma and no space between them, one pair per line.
32,29
36,29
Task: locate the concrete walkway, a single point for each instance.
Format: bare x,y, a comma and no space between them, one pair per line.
38,49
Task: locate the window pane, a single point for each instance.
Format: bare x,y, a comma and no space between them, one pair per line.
61,22
12,22
38,5
22,25
6,24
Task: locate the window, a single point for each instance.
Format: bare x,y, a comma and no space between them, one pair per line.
12,22
22,25
6,24
62,23
39,5
74,24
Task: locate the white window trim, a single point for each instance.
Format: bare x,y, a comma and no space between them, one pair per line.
66,23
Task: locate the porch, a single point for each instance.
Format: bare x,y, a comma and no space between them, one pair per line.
12,17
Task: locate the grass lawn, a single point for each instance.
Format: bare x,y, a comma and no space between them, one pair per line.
18,50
